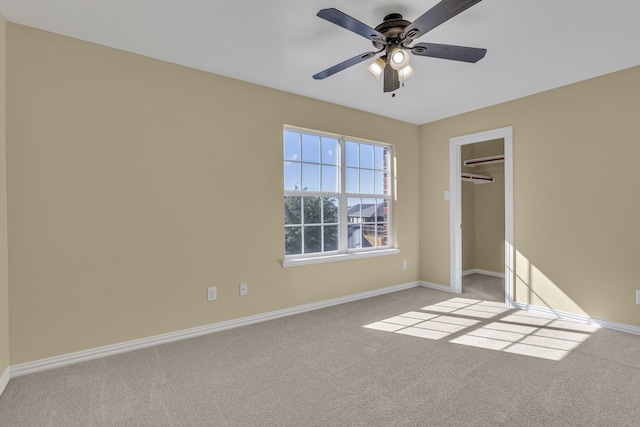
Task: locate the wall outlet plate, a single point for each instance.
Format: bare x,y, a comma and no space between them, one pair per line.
243,289
638,296
212,293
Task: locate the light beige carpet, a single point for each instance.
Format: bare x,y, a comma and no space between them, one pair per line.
418,357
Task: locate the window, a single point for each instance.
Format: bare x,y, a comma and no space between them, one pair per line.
336,195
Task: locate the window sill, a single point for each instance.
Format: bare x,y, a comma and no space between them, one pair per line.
341,257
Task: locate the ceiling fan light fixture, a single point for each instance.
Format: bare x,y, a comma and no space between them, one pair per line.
405,73
376,68
399,58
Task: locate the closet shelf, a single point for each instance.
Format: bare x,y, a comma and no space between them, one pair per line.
476,179
472,163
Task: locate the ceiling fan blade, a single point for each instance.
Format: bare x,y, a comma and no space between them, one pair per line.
435,16
447,51
391,79
343,65
345,21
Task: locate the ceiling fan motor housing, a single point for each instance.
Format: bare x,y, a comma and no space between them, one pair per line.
392,27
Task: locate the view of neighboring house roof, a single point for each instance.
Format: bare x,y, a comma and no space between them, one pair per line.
366,210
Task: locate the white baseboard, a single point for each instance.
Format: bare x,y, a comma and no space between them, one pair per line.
436,286
96,353
110,350
606,324
485,272
4,379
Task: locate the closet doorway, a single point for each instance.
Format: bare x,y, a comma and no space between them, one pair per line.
488,170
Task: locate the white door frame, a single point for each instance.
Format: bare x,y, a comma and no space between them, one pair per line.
455,189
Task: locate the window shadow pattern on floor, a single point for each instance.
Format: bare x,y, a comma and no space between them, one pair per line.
490,325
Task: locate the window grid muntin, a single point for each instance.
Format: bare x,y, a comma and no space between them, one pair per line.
305,226
369,215
382,228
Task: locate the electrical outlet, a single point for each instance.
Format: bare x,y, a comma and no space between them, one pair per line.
404,264
243,289
638,296
212,293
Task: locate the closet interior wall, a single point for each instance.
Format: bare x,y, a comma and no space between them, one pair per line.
483,211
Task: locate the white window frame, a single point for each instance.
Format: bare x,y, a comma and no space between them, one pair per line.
344,252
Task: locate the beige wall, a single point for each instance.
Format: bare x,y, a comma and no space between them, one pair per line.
4,277
576,206
134,184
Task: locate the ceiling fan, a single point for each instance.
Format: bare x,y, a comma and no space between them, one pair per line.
393,38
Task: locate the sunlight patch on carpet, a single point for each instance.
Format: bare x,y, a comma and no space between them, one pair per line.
492,326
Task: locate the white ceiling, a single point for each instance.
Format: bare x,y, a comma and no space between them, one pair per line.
533,45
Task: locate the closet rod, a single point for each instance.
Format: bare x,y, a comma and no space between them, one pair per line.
476,179
484,161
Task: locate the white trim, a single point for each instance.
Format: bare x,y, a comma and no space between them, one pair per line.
455,218
338,257
509,254
485,272
606,324
435,286
4,379
110,350
455,207
615,326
